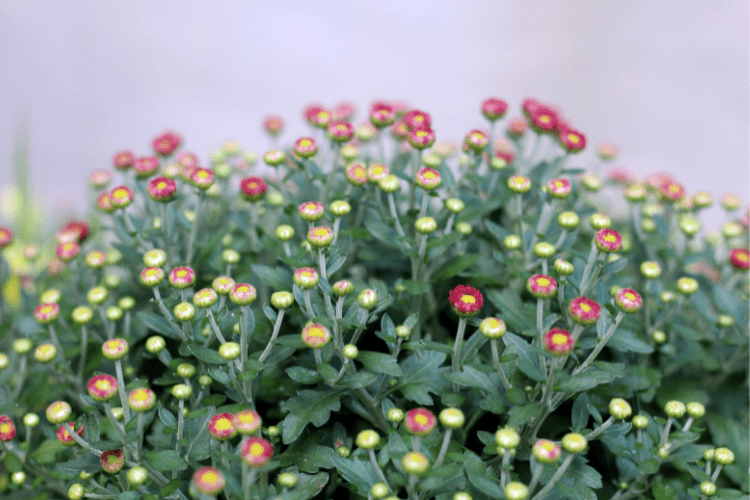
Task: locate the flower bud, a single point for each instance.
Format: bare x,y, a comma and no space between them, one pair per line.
608,240
230,351
76,491
182,391
512,242
687,286
113,313
563,267
463,228
731,230
708,488
368,439
285,232
558,342
45,353
492,328
650,270
515,490
541,286
420,421
574,443
182,277
306,278
591,182
58,412
320,237
22,346
47,313
619,408
185,370
205,380
342,288
316,336
600,221
648,225
379,490
725,321
230,256
546,452
507,438
723,456
415,462
282,300
350,351
395,415
287,480
544,249
695,409
137,475
428,179
674,409
559,188
519,184
640,422
454,205
115,349
18,477
708,454
367,298
628,300
662,452
340,208
155,344
184,311
452,418
343,451
425,225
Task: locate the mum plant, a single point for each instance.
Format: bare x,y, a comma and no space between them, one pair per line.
377,315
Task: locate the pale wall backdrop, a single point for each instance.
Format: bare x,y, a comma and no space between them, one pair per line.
667,81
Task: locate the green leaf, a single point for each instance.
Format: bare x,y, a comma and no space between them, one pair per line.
45,453
580,412
379,362
357,380
446,240
511,309
360,473
167,418
220,376
521,414
627,341
456,266
89,464
499,232
276,278
206,355
615,266
584,381
416,287
335,263
515,396
158,324
169,487
165,460
12,462
422,376
482,480
303,375
382,232
528,361
471,377
308,407
128,495
649,466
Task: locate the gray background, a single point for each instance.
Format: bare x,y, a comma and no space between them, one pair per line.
667,81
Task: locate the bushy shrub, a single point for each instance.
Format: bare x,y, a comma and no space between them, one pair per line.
376,318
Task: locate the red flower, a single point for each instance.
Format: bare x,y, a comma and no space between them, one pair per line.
543,119
121,197
465,300
558,342
100,178
166,143
671,191
528,106
187,160
740,258
420,421
208,480
67,251
112,461
541,286
494,109
399,130
221,426
123,160
310,112
273,125
102,387
203,178
256,451
382,114
608,240
572,140
344,111
584,311
7,428
628,300
421,138
162,189
559,188
416,119
253,188
476,140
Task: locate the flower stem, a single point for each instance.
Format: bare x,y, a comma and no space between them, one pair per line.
394,214
601,344
276,329
165,234
444,447
377,468
121,390
558,474
78,439
308,305
194,229
497,365
139,432
595,433
535,477
587,270
214,326
457,349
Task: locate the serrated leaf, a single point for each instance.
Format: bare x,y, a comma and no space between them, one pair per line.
521,414
158,324
379,362
360,473
303,375
357,380
471,377
220,376
169,487
584,381
580,412
528,361
308,407
422,376
649,466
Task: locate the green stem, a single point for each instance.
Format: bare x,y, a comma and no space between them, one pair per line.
78,439
444,447
601,344
194,229
558,474
180,423
121,390
214,326
595,433
498,366
456,361
139,432
394,214
378,470
276,329
165,234
589,265
308,305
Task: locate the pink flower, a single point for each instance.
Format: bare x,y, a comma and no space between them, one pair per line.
7,428
162,189
187,160
420,421
67,251
628,300
320,236
543,119
546,452
141,399
465,300
146,166
273,125
123,160
416,119
399,130
584,311
671,191
247,421
517,127
315,336
305,278
382,114
340,131
311,211
100,178
305,147
112,461
208,480
377,171
203,178
256,451
476,140
606,151
494,109
558,342
740,258
80,228
47,313
344,111
221,426
253,188
65,438
541,286
572,140
182,277
428,179
608,240
559,188
166,143
121,197
421,138
356,174
242,294
102,387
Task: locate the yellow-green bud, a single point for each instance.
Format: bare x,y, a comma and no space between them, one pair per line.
49,296
690,226
708,454
686,285
4,361
126,303
112,281
507,438
389,184
272,431
350,351
97,295
343,451
18,477
731,230
425,225
452,418
82,315
723,456
574,443
568,220
544,249
591,182
674,409
695,409
563,267
464,228
113,313
667,296
648,225
492,328
155,344
708,488
155,258
462,495
287,480
22,346
75,492
230,256
184,311
31,420
182,391
659,336
650,270
516,491
45,353
600,221
403,331
379,490
619,408
285,232
368,439
367,298
230,351
340,208
395,415
185,370
725,321
454,205
282,300
662,452
137,475
275,199
512,242
415,462
640,422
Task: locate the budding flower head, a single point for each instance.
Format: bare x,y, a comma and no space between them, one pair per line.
563,267
367,298
253,188
541,286
559,188
306,278
205,298
723,456
740,258
515,490
162,189
600,221
608,240
282,300
221,427
311,211
115,349
102,387
120,197
389,184
65,438
47,313
465,300
350,351
695,409
619,408
544,249
558,342
395,415
574,443
181,391
7,428
415,462
584,311
342,288
674,409
568,220
256,452
512,242
492,328
230,350
421,138
316,336
141,399
476,140
452,418
186,370
707,488
454,205
731,229
546,452
320,237
507,438
428,179
494,109
650,269
112,461
368,439
420,421
208,480
628,300
356,174
155,344
519,184
45,353
687,286
591,182
377,171
58,412
152,276
340,208
425,225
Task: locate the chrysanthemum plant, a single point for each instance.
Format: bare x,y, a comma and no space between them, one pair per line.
372,315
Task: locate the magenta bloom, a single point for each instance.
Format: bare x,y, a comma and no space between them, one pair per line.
628,300
102,387
187,160
47,313
203,178
7,428
305,147
541,286
340,131
112,461
465,300
476,140
382,115
162,189
121,197
273,125
671,191
6,237
416,119
558,342
221,426
494,109
67,251
182,277
256,451
572,140
123,160
608,240
559,188
543,119
166,143
253,188
421,138
428,179
356,174
584,311
740,258
420,421
146,166
208,480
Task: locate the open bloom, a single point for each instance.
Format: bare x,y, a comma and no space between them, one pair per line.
420,421
242,294
628,300
152,276
382,114
208,480
146,166
416,119
541,286
203,178
47,313
123,160
221,426
311,211
7,428
558,342
102,387
421,138
247,421
584,311
559,188
377,171
316,336
121,197
320,237
428,179
112,461
166,143
465,300
305,147
181,277
68,250
608,240
256,451
476,140
494,109
253,188
543,119
141,399
740,258
340,131
671,191
356,174
572,140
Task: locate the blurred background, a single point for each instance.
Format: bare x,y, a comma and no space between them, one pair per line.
666,81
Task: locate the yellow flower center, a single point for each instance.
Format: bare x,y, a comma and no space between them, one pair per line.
140,396
421,419
429,175
542,282
257,449
377,170
103,385
181,273
202,174
47,309
545,119
574,138
210,477
585,307
310,206
419,118
57,408
493,323
161,185
674,188
316,332
320,232
559,339
242,289
743,257
247,418
468,299
4,428
305,143
223,424
547,446
610,238
120,193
